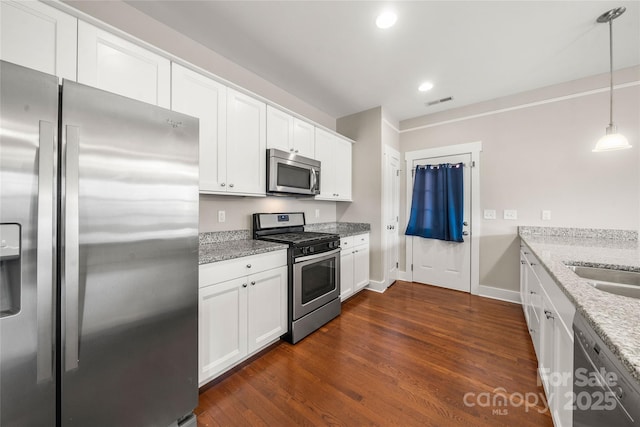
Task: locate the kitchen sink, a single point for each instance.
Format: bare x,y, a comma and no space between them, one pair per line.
619,282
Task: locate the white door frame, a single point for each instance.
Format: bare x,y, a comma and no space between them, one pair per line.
473,148
388,151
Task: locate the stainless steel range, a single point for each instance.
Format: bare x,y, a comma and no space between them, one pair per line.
314,270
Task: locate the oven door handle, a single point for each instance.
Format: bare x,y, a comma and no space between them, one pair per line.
316,256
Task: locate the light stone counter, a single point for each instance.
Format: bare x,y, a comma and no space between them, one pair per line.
223,245
616,319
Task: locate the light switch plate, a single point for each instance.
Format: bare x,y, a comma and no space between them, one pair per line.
510,214
546,215
489,214
221,216
317,213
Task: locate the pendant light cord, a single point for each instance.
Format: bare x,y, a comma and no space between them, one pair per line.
611,72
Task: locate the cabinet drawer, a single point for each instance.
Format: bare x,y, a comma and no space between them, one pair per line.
361,239
346,242
217,272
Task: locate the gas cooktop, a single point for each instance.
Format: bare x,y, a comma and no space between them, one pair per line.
300,237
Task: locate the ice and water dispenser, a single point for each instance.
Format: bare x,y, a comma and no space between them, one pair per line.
9,269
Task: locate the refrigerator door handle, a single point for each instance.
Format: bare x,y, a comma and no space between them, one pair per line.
71,248
44,272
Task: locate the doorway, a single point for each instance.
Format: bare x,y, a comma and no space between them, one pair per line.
391,206
448,264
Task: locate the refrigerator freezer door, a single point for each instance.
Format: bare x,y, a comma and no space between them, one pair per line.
28,134
129,261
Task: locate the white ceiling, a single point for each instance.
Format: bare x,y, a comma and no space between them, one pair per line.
331,55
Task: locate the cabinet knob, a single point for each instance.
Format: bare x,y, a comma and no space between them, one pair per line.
465,233
253,283
532,292
465,223
222,184
291,149
522,262
548,314
231,185
248,265
296,151
244,285
533,263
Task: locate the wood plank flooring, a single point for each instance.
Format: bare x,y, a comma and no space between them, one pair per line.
415,355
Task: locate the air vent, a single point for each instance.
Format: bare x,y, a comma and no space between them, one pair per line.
438,101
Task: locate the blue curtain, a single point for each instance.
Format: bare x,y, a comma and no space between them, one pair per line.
437,203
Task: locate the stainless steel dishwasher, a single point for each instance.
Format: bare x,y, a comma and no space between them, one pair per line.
604,392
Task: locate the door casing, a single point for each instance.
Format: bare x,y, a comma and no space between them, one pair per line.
473,148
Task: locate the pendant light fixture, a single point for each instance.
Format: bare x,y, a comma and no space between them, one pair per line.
612,140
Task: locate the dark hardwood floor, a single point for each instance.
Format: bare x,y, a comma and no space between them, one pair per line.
414,356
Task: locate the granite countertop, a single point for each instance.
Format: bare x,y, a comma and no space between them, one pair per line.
224,245
344,229
614,318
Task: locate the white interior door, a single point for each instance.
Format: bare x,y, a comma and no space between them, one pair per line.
391,212
440,263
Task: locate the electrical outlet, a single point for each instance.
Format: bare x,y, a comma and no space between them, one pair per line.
221,216
317,213
489,214
510,214
546,215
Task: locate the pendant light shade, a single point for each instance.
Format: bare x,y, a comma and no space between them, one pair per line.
612,140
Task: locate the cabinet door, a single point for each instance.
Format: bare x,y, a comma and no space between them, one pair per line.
38,36
304,138
110,63
361,267
563,365
267,307
346,273
204,98
246,144
547,340
343,167
324,153
524,291
222,327
279,129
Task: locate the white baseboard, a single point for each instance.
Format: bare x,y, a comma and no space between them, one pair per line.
403,275
499,294
376,286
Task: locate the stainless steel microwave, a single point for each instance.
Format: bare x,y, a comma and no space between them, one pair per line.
288,173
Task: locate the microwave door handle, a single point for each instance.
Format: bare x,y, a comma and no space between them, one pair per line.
314,180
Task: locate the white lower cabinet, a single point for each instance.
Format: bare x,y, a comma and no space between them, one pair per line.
241,315
549,315
354,264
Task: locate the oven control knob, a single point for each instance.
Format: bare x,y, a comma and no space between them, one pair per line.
305,251
311,249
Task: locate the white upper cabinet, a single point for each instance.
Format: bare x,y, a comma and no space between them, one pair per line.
38,36
334,154
246,144
204,98
107,62
288,133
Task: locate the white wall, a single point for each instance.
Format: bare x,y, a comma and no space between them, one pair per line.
537,155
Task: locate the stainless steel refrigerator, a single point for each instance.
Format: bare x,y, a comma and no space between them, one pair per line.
98,259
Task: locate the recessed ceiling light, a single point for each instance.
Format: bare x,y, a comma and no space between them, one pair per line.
386,19
425,87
